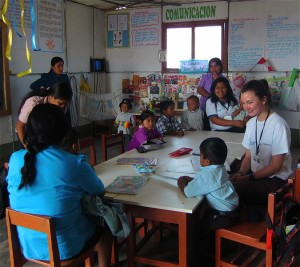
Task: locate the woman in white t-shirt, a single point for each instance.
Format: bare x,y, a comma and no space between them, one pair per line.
267,162
222,106
60,94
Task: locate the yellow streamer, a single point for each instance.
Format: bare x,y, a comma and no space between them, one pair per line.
9,41
28,56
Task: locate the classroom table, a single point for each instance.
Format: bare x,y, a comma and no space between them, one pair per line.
160,199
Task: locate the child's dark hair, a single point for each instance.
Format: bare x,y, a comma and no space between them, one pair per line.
260,88
217,61
127,102
47,125
229,98
60,90
214,149
146,114
165,104
193,97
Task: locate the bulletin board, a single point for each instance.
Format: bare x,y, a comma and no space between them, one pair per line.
269,29
117,30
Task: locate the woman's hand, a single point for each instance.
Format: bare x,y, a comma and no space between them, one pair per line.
239,176
239,124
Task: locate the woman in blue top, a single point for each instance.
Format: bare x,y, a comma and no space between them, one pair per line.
54,76
44,179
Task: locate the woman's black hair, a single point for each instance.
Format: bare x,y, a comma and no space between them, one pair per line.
214,149
60,90
47,125
218,63
127,102
55,60
146,114
260,88
230,98
165,104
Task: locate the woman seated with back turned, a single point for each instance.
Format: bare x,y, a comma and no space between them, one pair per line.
267,162
222,106
44,179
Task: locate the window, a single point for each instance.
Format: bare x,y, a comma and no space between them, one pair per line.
4,79
194,40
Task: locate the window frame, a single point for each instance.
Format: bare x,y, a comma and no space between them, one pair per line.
193,24
6,109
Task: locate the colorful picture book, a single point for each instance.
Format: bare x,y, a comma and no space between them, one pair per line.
132,161
127,184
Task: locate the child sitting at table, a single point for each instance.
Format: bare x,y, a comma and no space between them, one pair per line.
192,118
167,123
220,208
146,131
125,121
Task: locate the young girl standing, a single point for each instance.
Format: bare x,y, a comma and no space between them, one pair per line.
147,132
125,121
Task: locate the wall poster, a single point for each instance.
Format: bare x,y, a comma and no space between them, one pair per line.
118,30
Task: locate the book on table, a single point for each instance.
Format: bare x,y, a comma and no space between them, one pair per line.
127,185
132,161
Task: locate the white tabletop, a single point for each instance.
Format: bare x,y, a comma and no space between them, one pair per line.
162,192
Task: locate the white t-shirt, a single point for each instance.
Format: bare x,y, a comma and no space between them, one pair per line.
219,110
275,140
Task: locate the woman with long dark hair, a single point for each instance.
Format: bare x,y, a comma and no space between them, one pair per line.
47,180
60,94
52,77
222,106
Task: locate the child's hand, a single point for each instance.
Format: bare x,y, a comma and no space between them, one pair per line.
187,178
180,133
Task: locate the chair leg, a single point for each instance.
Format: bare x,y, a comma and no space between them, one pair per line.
218,250
115,253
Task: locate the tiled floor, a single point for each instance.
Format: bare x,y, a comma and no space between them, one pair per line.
153,248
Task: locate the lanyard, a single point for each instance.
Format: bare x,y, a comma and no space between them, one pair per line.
258,144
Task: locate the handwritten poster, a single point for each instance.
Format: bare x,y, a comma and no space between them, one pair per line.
274,37
246,43
117,30
14,17
145,28
51,25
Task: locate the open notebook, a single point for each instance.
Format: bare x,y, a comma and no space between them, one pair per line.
127,184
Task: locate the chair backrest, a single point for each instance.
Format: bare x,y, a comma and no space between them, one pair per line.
43,224
39,223
112,140
297,183
89,142
274,213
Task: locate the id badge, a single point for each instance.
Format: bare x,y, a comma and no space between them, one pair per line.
256,158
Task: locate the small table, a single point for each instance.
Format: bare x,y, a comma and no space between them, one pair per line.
160,199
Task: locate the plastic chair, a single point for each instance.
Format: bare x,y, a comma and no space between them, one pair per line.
89,142
44,224
112,140
251,235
